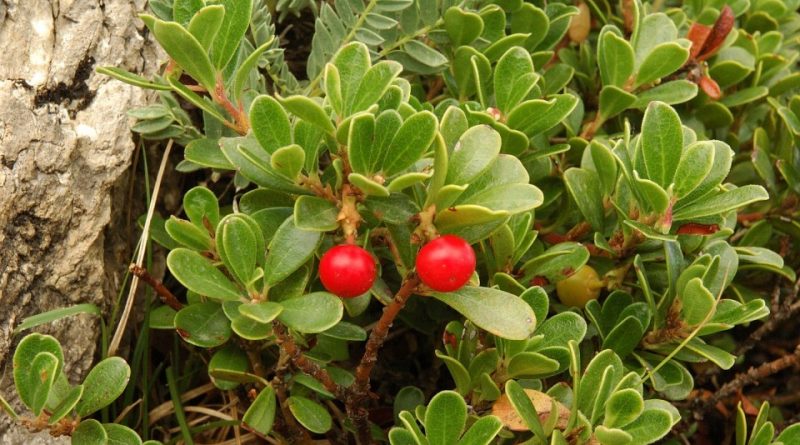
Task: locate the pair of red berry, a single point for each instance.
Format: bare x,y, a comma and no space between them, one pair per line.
444,264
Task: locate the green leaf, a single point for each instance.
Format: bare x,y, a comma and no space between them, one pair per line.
523,406
694,166
197,274
121,435
458,372
202,103
614,59
723,156
66,405
201,207
471,222
584,187
291,247
790,435
231,359
313,213
652,425
612,436
512,198
55,315
662,143
312,313
346,331
622,408
721,203
186,51
27,351
206,152
332,84
368,186
352,63
188,234
514,78
614,100
536,116
482,432
475,152
205,24
671,93
229,37
288,161
500,313
424,54
90,432
655,197
42,376
363,152
624,336
463,27
132,79
203,324
411,141
252,162
270,123
261,414
374,85
184,10
242,74
662,61
309,110
104,383
262,312
697,302
313,416
445,418
532,365
716,355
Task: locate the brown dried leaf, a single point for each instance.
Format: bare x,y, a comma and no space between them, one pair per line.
503,409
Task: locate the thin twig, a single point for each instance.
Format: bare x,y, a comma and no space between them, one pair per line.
360,390
753,375
163,293
142,249
286,342
778,317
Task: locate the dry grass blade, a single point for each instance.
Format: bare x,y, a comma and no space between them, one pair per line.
141,250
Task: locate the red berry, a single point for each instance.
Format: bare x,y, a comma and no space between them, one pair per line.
347,271
446,263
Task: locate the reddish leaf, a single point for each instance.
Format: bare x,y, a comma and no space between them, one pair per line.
710,87
722,27
698,34
697,229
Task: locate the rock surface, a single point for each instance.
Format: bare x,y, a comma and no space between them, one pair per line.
65,148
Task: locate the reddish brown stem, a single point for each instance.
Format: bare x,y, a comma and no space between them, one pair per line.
360,390
286,342
163,293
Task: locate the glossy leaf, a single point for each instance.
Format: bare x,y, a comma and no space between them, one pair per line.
198,274
104,383
662,143
186,51
313,416
261,414
495,311
228,39
445,418
312,313
291,247
203,324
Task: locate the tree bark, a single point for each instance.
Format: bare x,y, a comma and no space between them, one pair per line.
65,148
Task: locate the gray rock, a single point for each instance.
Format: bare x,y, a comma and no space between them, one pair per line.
65,147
